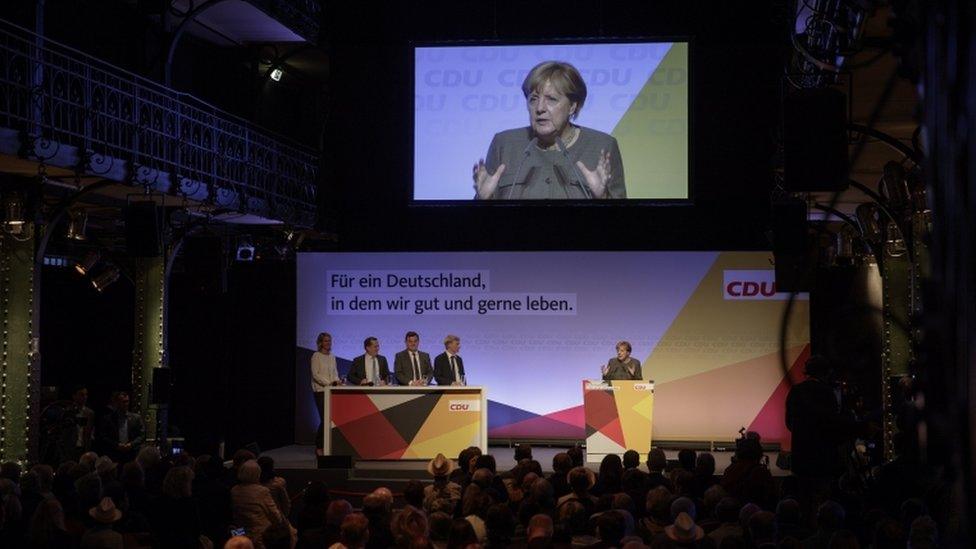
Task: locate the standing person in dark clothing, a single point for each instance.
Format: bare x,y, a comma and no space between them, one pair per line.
213,498
820,431
81,434
656,463
561,464
608,481
120,433
175,516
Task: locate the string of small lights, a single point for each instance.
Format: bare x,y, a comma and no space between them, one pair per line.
137,348
5,293
29,357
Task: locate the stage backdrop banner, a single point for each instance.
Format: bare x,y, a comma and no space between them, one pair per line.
705,325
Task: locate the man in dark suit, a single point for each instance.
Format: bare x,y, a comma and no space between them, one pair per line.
119,433
412,366
448,367
371,367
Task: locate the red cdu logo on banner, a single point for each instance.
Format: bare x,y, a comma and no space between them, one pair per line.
754,285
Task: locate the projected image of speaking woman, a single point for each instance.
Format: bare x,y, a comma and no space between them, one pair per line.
552,158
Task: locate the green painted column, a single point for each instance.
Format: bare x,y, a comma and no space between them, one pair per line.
20,367
147,353
902,277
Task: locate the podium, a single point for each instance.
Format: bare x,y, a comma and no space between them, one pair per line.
618,417
394,423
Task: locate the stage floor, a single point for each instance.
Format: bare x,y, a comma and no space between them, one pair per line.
298,457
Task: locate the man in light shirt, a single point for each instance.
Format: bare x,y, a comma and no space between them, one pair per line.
448,367
324,374
369,368
411,365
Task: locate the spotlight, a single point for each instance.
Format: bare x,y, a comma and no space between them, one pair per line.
895,187
276,74
845,244
77,224
105,278
88,263
867,217
13,205
894,243
245,251
294,238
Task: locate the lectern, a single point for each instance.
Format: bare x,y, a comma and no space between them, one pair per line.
618,417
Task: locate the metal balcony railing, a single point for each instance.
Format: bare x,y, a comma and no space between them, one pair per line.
122,126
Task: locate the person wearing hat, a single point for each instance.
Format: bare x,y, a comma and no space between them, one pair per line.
106,468
580,481
442,488
685,533
102,534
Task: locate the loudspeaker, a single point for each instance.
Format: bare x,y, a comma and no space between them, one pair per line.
162,386
815,141
793,255
143,229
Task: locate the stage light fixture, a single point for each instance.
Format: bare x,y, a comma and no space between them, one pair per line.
845,244
294,238
105,278
88,263
13,205
894,243
245,251
276,74
895,187
76,225
867,218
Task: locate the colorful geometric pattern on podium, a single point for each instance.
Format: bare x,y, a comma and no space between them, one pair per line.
395,425
618,417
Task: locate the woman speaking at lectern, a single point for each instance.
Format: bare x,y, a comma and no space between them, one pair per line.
622,366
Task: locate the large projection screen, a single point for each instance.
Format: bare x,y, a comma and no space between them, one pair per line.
705,326
468,97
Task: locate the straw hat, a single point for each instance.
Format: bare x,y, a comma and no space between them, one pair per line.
440,466
684,529
105,512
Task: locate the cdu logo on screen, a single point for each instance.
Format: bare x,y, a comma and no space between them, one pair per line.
759,285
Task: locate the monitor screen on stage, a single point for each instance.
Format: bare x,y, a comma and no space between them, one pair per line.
566,121
705,327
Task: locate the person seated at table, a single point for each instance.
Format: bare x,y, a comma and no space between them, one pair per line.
622,366
369,368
